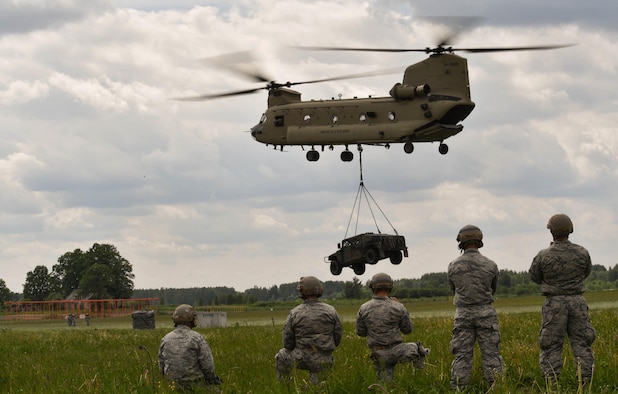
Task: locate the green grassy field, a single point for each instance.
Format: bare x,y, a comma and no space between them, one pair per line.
111,357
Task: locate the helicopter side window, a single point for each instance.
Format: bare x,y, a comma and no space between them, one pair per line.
279,121
307,119
391,116
363,117
335,118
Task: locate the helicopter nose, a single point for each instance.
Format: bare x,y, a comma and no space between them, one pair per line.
255,130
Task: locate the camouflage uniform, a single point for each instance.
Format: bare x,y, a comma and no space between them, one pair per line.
561,270
382,320
312,332
185,358
473,277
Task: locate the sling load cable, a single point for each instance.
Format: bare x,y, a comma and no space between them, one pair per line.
366,194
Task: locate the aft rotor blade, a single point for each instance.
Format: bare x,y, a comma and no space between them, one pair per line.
533,48
351,76
439,49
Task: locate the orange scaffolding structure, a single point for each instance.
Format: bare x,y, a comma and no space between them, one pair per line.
60,309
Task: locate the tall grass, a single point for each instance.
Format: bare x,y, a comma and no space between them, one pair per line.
110,357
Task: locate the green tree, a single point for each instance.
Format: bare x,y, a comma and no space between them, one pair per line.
353,289
95,282
120,280
5,294
69,270
612,274
39,284
101,272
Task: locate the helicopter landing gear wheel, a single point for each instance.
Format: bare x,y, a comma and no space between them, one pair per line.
313,155
346,155
335,267
359,268
408,147
443,149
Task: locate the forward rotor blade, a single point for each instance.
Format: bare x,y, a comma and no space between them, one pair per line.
275,85
238,62
361,49
205,97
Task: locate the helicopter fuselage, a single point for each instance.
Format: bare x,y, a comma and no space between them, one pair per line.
427,107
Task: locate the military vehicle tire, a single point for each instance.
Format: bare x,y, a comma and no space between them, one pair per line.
359,268
371,255
335,267
396,257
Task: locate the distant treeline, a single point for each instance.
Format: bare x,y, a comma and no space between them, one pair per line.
430,285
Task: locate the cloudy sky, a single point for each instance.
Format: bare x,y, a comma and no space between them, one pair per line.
94,150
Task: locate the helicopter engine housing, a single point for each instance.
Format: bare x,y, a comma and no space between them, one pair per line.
403,92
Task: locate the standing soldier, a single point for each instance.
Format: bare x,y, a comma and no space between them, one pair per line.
561,270
184,355
312,332
473,278
382,320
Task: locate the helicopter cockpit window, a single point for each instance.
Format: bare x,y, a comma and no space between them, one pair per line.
363,117
307,119
279,121
335,118
263,118
391,116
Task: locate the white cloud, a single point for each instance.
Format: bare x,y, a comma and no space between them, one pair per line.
21,92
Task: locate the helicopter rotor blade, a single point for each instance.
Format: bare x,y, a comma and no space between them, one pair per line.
350,76
238,62
312,48
454,26
505,49
274,85
439,49
205,97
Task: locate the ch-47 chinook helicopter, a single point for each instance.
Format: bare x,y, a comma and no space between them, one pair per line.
427,106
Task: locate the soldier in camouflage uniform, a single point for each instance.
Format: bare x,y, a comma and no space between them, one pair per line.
185,358
561,270
312,332
382,320
473,279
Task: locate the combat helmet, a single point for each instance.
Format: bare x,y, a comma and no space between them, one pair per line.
560,225
309,286
469,233
381,281
185,315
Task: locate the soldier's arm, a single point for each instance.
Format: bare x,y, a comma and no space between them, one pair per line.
161,361
289,338
206,362
361,328
405,324
536,274
338,330
588,264
494,281
449,279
